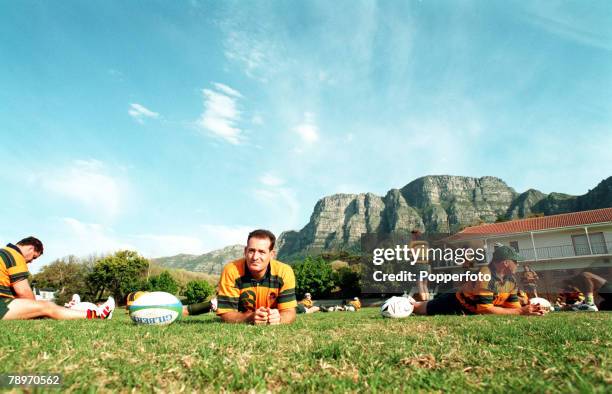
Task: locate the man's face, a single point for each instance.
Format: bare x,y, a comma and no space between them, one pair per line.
258,255
511,266
29,253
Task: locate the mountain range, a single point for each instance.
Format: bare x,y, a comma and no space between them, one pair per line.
434,203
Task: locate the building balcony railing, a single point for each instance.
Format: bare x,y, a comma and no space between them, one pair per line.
547,253
563,251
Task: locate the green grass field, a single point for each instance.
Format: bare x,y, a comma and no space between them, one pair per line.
567,352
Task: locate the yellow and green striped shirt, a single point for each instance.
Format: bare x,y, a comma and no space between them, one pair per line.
13,268
478,297
239,291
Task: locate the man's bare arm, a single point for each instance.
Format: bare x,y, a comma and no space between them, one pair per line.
23,290
237,317
531,310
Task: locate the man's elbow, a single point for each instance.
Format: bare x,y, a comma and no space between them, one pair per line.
288,316
23,292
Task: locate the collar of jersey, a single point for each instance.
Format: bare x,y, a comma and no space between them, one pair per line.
14,248
253,280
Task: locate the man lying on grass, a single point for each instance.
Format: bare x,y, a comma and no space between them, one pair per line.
588,284
17,300
257,289
497,296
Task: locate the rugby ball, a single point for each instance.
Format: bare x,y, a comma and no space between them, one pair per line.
396,307
543,302
156,308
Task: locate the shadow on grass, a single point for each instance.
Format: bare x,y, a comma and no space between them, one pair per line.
215,321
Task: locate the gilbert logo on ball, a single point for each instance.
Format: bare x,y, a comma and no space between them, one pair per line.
156,308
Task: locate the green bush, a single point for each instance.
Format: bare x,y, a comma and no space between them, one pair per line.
197,291
163,282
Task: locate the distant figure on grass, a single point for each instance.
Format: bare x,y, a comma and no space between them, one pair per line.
497,296
355,304
351,306
588,283
257,289
307,305
530,281
17,300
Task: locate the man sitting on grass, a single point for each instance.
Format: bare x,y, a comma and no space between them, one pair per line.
257,289
307,305
497,296
17,301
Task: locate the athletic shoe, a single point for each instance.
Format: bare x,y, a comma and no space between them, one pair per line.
105,311
584,307
76,299
323,308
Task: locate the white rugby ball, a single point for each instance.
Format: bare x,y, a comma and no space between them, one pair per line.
397,307
543,302
156,308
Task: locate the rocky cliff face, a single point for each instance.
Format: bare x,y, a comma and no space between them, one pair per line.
431,204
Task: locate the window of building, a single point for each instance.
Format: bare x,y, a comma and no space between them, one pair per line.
581,245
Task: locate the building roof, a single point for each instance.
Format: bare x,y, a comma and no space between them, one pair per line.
603,215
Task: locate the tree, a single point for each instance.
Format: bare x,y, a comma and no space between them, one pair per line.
197,291
118,274
67,275
163,282
314,276
348,281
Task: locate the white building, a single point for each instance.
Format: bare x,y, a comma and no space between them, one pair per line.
555,246
44,294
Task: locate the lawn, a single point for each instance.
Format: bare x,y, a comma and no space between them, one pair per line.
334,352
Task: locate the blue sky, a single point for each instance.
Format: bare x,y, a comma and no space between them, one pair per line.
173,127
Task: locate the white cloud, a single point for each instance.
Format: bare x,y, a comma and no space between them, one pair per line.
227,90
161,245
253,55
282,203
308,129
271,180
216,236
221,113
86,182
84,239
140,112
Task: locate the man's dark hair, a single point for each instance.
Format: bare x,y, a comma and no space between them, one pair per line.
31,241
263,234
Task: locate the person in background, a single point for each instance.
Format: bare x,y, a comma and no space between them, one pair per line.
307,305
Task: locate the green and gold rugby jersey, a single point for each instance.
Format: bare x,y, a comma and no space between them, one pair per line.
239,291
13,268
478,297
